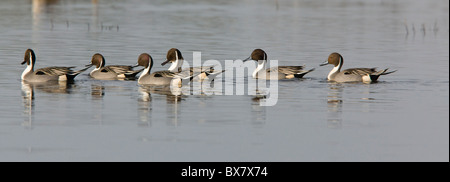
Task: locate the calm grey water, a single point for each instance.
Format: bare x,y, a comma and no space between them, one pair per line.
403,117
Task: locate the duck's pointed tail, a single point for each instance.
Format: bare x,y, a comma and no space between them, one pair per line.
212,75
300,75
385,72
133,73
73,74
376,75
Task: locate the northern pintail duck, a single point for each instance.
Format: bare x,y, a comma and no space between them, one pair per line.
111,72
352,74
281,72
55,73
165,77
175,57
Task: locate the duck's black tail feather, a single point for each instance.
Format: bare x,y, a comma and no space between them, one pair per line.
375,76
300,75
133,74
72,75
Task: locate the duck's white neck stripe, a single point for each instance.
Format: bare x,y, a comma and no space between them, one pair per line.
27,70
335,70
31,58
175,65
99,67
261,66
145,72
95,69
29,67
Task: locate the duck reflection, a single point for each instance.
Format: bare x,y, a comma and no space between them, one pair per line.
28,95
49,87
258,111
173,97
97,91
28,102
334,105
144,106
97,94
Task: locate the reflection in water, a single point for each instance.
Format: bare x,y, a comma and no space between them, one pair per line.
366,101
258,111
144,107
173,97
28,102
334,105
97,93
28,95
55,87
